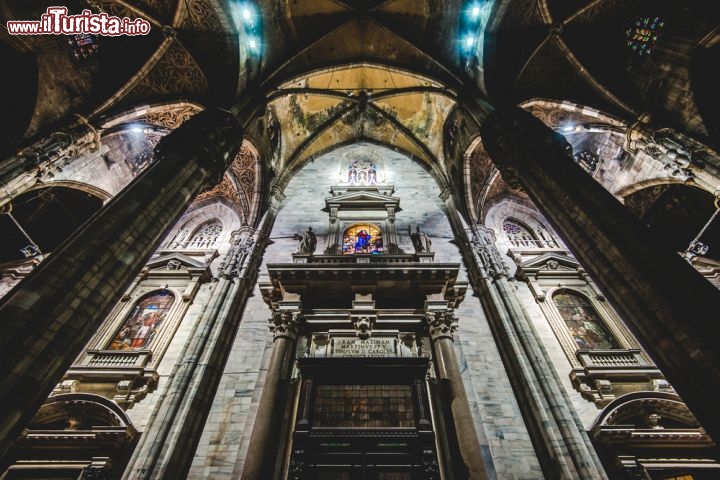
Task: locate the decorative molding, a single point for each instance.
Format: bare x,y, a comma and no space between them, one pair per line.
171,117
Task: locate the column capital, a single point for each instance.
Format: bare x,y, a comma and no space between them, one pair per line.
212,138
440,323
285,323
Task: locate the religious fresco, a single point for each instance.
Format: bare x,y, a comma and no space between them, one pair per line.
144,321
362,238
585,325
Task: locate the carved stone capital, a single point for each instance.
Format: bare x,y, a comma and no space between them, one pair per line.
286,324
441,323
482,241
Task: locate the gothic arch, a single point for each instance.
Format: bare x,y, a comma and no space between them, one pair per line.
509,207
202,214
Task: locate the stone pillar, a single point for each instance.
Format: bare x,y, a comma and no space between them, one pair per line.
561,444
441,323
51,315
169,441
263,449
566,451
669,306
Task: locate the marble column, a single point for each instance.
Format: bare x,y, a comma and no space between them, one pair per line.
564,448
50,316
263,450
671,308
441,323
561,444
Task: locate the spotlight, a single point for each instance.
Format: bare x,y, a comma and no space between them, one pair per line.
469,41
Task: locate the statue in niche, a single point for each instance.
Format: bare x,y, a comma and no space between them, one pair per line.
420,240
308,241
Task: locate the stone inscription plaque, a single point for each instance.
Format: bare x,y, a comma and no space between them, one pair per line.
371,347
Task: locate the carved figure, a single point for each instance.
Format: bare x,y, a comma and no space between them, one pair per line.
420,240
308,241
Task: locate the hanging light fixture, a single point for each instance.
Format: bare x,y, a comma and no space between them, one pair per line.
32,250
696,247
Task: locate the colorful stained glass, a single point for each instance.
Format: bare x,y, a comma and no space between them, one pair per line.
84,45
362,172
363,238
585,325
588,160
141,326
518,235
138,163
643,34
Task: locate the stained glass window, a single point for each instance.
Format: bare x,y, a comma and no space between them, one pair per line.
588,160
362,238
206,236
642,35
518,234
141,326
84,45
138,163
585,325
362,172
368,406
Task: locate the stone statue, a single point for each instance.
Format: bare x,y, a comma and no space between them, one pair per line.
420,240
307,240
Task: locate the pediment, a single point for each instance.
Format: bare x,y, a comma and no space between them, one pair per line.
551,262
175,261
363,198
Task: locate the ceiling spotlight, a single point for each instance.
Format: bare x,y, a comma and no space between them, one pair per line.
475,12
469,41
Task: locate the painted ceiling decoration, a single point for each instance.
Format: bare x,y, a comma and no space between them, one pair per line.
366,102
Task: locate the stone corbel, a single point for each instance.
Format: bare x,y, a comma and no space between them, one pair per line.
599,392
128,392
67,386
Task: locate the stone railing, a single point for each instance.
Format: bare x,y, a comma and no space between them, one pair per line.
115,359
612,358
349,259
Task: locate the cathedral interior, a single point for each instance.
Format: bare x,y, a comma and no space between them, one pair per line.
362,240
